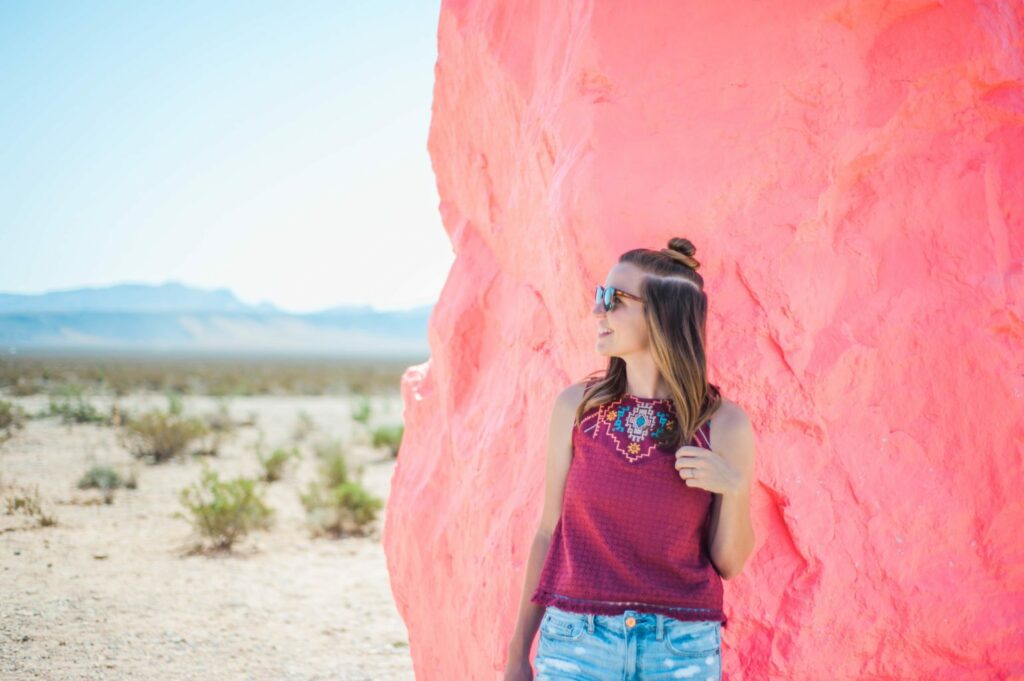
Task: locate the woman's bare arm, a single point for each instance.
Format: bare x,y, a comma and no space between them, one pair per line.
559,457
732,533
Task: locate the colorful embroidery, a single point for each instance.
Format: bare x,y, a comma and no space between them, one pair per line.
632,426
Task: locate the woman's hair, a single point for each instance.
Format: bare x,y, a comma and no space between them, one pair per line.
676,311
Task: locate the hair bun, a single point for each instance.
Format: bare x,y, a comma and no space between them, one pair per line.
682,250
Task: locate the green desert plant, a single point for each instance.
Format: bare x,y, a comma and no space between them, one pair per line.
361,410
174,404
333,461
345,509
224,511
103,478
100,477
71,405
388,436
274,464
304,425
336,504
334,470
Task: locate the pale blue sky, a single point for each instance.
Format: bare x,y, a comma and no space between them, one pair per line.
274,148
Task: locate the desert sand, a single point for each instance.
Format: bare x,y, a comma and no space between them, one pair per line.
114,591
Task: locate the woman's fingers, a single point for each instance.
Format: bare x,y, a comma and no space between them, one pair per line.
689,461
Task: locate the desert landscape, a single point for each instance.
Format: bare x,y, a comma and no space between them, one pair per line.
106,572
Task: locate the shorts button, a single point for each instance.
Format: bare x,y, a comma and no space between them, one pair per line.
630,621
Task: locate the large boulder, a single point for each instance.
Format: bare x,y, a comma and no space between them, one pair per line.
852,174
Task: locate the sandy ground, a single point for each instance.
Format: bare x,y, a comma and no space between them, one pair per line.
113,592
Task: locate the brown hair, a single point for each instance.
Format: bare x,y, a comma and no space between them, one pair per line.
675,307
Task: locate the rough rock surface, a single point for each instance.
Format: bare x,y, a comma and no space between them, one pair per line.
852,174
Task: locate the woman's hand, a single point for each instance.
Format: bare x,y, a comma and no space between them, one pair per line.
699,467
518,670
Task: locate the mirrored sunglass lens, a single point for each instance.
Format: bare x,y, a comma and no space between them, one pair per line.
609,298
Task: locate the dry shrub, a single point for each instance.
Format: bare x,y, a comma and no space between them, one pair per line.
12,418
27,502
158,436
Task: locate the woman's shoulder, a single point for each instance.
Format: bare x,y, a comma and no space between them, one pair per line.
730,415
563,417
571,395
574,391
731,430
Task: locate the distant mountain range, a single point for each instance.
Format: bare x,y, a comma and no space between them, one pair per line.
177,319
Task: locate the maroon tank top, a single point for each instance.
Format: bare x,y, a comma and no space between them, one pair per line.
632,534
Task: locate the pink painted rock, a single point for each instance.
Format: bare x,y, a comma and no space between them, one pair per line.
852,174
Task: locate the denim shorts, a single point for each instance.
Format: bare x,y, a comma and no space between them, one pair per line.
633,646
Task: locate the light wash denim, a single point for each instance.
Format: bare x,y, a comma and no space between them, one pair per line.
579,647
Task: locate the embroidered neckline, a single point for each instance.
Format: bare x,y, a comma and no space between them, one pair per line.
632,428
647,399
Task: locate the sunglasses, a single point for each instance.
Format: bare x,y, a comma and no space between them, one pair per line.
606,297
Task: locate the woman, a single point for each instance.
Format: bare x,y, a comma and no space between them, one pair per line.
646,502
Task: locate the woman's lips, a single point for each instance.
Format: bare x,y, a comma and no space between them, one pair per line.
602,334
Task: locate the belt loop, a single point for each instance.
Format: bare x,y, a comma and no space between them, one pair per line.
590,622
661,624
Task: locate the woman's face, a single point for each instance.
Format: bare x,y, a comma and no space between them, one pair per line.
625,320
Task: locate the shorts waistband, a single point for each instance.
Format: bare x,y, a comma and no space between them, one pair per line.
627,620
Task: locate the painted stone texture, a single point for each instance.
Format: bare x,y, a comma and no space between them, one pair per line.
852,174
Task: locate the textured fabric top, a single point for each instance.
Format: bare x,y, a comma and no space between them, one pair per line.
632,534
